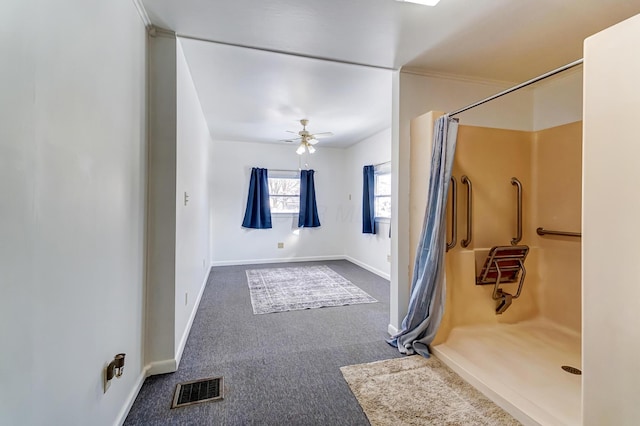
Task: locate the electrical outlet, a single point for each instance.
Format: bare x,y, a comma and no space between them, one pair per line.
105,383
186,299
388,258
280,245
349,197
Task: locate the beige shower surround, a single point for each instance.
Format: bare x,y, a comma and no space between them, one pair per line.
549,165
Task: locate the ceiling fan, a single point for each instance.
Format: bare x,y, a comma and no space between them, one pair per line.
306,138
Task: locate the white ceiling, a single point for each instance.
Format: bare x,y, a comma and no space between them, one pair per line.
253,95
248,94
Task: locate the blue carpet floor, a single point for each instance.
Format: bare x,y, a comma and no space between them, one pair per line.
279,369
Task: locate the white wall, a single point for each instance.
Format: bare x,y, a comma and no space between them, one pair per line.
179,234
422,93
160,345
367,250
558,100
72,186
231,168
193,255
610,250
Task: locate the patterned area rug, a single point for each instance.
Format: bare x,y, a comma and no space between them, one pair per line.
305,287
418,391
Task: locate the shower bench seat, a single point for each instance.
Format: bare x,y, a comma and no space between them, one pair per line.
503,265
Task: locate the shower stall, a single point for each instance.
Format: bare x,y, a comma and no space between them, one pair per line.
513,286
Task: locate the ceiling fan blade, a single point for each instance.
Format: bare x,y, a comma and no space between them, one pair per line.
322,135
288,140
291,131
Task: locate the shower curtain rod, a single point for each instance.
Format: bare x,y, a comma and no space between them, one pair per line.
519,86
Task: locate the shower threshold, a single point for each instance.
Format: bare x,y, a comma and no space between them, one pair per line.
519,367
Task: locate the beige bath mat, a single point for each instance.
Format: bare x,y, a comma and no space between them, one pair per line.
418,391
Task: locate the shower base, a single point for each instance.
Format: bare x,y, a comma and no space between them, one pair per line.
519,367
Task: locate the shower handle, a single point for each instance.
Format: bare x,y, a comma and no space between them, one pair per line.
454,214
516,240
465,179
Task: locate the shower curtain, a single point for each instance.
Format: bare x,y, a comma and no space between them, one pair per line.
426,303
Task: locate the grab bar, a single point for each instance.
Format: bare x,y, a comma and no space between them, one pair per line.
465,179
454,214
542,231
516,240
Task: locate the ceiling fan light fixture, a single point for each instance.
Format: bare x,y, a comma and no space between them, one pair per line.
307,139
422,2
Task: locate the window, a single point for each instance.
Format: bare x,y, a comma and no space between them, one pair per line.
382,173
284,191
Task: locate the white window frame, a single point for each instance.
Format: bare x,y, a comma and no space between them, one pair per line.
379,170
284,174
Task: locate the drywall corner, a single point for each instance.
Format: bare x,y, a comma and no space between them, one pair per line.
161,211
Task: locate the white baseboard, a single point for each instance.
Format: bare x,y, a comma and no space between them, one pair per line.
277,260
392,330
171,365
301,259
369,268
165,366
187,329
124,412
162,367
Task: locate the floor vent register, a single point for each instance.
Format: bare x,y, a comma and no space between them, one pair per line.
197,391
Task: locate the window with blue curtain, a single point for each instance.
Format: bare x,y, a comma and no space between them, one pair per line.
284,192
382,191
308,215
258,212
368,201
